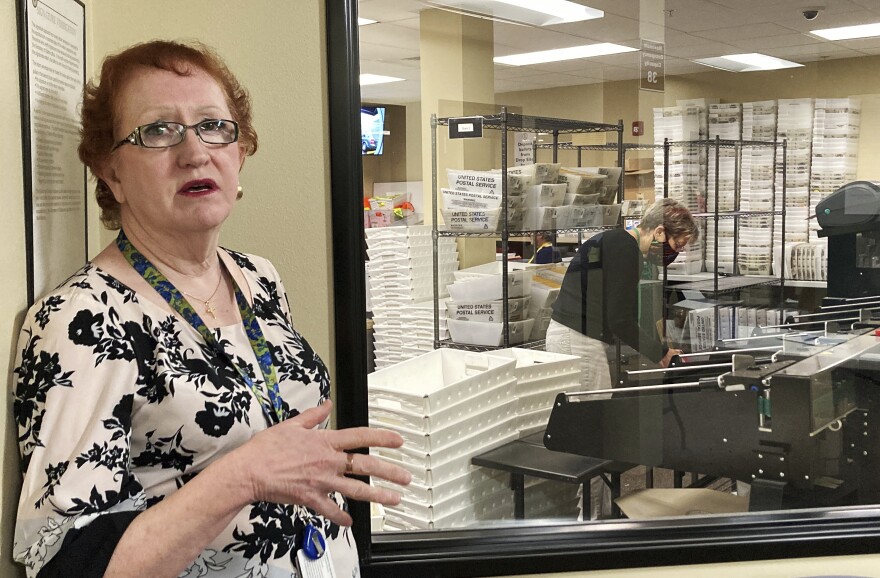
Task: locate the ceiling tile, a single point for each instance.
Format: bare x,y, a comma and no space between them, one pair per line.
747,31
390,35
389,10
386,53
773,42
704,50
611,28
518,39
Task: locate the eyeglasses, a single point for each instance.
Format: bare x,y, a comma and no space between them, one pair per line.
678,244
160,135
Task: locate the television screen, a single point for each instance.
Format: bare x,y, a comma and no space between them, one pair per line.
372,129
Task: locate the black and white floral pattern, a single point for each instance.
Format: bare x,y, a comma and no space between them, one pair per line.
119,403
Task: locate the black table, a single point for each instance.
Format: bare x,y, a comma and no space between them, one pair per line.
529,457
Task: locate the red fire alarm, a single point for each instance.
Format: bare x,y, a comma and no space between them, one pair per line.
638,128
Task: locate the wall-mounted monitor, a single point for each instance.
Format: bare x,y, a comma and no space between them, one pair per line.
372,129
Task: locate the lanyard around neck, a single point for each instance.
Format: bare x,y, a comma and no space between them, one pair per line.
270,399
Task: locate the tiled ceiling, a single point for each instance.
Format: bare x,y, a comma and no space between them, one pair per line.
693,29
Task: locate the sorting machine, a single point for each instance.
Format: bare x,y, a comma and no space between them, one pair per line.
793,410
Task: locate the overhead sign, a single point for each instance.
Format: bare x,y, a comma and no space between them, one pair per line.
653,61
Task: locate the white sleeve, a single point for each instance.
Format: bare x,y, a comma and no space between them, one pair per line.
74,386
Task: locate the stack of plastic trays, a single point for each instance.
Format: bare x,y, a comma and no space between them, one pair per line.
687,169
836,127
794,123
475,310
725,122
540,377
448,405
400,274
757,188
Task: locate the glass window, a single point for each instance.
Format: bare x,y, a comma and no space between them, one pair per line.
604,241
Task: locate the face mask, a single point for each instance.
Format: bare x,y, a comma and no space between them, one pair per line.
661,253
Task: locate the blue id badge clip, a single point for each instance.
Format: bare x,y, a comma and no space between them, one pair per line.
313,559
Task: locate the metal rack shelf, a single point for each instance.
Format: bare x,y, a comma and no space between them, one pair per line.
524,123
523,233
735,214
609,147
505,122
727,284
718,284
535,344
722,143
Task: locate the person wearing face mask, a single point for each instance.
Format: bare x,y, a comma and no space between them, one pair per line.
599,301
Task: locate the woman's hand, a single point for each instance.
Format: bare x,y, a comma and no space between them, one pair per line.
667,359
295,463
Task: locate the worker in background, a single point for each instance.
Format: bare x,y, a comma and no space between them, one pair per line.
546,251
598,302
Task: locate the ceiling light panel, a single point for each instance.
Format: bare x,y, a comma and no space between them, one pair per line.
849,32
531,12
559,54
365,21
369,79
751,62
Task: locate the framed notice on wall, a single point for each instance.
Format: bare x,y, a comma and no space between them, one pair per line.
51,38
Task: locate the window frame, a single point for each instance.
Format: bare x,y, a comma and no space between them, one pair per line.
521,549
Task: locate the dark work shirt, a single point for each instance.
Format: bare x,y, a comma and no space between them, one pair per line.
548,254
599,294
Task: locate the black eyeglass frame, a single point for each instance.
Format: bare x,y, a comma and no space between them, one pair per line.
135,138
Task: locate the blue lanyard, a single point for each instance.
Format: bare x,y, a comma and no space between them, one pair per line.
270,399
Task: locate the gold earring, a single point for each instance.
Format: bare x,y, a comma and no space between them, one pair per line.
239,194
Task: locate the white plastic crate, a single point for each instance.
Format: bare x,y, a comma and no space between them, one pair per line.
490,287
491,311
489,334
398,242
541,400
581,183
442,468
539,366
489,508
472,220
395,232
406,262
440,379
388,413
461,435
453,503
428,494
461,449
533,421
400,252
543,294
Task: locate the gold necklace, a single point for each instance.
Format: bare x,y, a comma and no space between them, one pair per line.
208,306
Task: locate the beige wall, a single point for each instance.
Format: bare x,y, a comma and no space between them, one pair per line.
277,51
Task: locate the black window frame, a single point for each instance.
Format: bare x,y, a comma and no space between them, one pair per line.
521,549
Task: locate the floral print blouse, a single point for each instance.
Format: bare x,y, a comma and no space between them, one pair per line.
119,403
